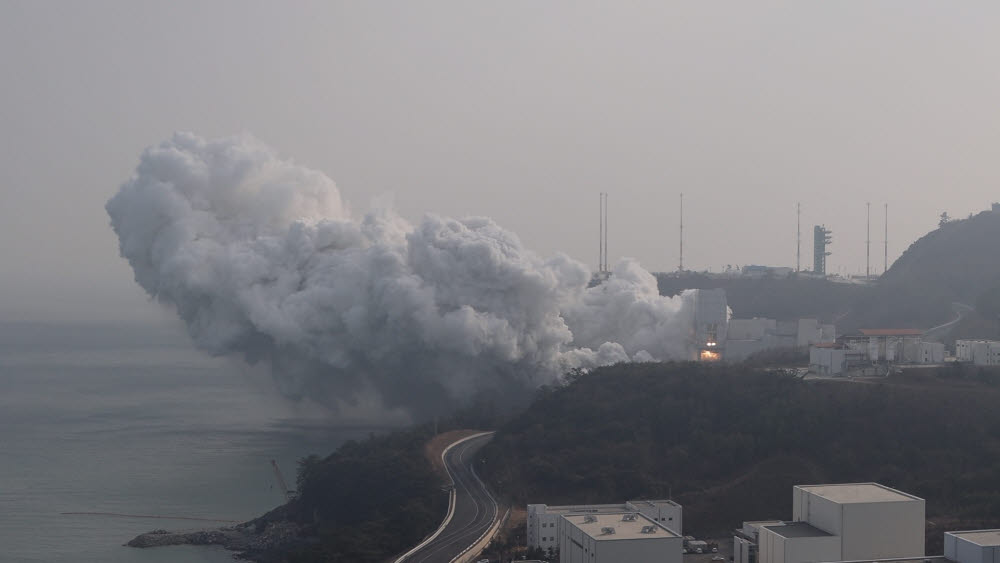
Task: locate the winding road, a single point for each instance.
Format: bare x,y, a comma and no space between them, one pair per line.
474,512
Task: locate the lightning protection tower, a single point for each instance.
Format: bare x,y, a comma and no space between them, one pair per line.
821,238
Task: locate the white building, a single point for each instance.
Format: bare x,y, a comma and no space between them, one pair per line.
746,337
616,538
931,353
979,352
974,546
845,522
871,352
746,540
796,542
899,345
543,520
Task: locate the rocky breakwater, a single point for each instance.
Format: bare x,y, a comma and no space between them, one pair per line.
266,539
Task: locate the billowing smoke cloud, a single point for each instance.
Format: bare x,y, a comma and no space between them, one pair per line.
261,258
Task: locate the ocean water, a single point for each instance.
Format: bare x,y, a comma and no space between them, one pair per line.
131,420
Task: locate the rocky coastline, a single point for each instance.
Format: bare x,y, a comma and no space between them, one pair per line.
263,540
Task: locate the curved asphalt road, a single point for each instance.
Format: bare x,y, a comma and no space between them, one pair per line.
475,509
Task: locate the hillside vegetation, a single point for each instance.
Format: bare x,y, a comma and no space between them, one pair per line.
957,262
729,442
363,503
777,298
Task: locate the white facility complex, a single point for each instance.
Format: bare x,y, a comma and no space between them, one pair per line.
716,336
975,546
842,522
978,352
543,520
616,538
873,350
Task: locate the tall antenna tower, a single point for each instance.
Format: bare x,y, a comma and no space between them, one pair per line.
868,242
605,231
885,241
798,236
602,252
680,267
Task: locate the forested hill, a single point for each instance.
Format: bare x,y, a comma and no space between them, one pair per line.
957,262
776,298
729,442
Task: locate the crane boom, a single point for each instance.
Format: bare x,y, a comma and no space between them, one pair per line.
281,481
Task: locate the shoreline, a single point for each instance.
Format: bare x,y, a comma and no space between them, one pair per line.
265,539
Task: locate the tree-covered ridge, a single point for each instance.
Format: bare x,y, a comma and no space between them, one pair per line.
957,262
368,500
729,442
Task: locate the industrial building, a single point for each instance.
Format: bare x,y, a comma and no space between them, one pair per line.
839,522
973,546
750,336
874,351
978,352
715,336
746,540
615,538
543,520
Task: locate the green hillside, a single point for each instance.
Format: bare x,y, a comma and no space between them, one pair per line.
729,443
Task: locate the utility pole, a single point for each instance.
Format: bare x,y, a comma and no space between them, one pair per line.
602,248
600,237
868,243
885,241
680,268
798,236
605,231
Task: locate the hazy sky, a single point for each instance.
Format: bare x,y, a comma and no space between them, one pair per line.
522,111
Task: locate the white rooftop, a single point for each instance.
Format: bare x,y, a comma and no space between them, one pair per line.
587,509
653,502
623,529
984,538
605,508
848,493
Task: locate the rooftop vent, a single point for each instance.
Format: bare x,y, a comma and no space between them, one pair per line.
607,530
589,518
649,529
629,517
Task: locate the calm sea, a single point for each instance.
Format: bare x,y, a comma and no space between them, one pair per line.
132,420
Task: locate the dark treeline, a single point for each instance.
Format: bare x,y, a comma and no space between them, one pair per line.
957,262
790,297
373,498
729,442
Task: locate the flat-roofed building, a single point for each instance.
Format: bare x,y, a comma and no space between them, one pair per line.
793,542
543,519
872,520
846,522
973,546
746,540
616,538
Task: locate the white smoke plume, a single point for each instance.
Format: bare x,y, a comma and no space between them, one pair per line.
261,258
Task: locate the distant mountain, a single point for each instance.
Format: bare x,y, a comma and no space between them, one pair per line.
772,297
957,262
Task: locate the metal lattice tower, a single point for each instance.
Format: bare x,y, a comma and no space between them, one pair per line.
821,238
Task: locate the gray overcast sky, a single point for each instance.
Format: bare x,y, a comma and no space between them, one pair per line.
522,111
